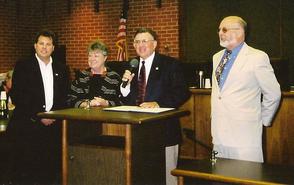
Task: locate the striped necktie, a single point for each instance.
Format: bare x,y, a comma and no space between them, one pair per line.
141,84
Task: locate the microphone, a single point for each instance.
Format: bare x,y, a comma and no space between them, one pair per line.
200,79
134,63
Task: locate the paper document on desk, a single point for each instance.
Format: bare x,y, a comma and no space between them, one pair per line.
137,109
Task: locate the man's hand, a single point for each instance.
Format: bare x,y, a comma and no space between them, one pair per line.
128,76
47,122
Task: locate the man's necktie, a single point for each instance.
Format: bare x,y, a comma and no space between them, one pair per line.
220,67
141,84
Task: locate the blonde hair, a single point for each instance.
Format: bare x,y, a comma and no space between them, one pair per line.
239,20
98,45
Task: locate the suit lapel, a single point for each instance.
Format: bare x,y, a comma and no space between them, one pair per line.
154,76
219,58
37,74
238,65
56,77
37,79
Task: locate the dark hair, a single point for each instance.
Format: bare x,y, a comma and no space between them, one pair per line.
146,30
46,33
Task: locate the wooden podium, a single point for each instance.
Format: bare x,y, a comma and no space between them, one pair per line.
144,140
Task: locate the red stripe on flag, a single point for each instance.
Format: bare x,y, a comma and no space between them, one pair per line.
121,40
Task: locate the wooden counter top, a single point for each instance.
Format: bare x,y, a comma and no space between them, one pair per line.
98,114
235,171
208,92
288,94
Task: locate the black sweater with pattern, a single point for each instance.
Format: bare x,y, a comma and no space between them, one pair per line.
87,86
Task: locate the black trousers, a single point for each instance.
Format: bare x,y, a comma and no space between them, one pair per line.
34,154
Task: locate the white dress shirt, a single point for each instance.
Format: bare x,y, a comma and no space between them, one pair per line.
148,64
47,77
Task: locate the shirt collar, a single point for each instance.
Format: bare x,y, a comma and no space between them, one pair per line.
41,62
236,50
149,59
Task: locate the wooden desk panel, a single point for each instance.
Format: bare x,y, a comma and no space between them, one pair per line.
279,143
199,124
187,123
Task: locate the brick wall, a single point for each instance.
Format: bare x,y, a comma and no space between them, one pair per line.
76,24
18,22
8,41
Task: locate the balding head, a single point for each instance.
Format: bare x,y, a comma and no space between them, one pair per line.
232,31
238,20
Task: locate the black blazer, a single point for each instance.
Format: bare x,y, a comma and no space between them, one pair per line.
166,85
27,91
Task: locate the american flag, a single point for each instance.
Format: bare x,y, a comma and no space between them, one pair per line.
121,42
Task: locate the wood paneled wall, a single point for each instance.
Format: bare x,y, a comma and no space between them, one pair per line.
270,28
279,142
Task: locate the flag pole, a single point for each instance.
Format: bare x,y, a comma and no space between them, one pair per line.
125,10
121,43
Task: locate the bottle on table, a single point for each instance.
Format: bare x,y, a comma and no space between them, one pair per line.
3,106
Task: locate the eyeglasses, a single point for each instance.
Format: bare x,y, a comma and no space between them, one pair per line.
225,30
144,41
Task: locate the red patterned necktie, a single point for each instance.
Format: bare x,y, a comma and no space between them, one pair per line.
141,84
220,67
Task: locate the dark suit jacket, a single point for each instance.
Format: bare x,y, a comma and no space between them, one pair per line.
166,86
27,91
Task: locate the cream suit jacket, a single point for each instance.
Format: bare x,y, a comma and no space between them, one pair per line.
238,115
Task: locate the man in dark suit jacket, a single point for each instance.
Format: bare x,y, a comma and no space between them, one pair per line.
39,84
164,87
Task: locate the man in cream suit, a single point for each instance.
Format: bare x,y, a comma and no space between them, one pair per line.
245,94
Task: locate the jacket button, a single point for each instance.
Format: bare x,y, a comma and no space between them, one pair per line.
44,106
219,98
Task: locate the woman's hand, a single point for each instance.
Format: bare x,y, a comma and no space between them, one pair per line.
153,104
97,101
